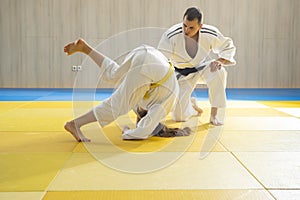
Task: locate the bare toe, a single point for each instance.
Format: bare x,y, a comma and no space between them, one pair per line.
70,49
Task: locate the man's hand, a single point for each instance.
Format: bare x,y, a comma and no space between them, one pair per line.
215,65
125,128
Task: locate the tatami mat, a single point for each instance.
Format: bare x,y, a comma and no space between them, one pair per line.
21,195
36,142
219,170
262,123
291,111
253,156
286,194
10,105
109,139
273,169
29,171
37,119
261,141
161,194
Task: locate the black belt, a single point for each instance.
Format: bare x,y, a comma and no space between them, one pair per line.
187,71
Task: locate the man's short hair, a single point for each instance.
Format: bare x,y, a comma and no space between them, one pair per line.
193,13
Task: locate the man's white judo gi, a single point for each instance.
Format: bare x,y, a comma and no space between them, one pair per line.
142,67
172,45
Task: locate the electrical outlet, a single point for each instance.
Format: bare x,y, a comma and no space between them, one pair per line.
74,68
79,68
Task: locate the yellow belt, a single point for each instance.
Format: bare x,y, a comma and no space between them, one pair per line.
164,79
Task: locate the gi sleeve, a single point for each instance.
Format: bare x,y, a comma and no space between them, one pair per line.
224,47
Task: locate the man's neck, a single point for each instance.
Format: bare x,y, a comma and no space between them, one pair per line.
196,37
191,45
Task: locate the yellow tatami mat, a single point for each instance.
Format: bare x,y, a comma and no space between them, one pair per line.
275,169
29,171
255,155
21,195
36,141
11,105
161,194
185,174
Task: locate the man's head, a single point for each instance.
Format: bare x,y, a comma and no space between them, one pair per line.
192,21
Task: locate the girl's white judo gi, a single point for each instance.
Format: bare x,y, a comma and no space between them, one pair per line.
142,67
172,45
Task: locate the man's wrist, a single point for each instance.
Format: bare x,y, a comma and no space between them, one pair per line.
222,60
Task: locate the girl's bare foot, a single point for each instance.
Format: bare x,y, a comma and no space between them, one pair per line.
77,134
77,46
195,106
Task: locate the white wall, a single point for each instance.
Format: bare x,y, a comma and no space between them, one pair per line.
33,33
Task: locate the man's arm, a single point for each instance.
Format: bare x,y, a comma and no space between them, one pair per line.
224,61
224,47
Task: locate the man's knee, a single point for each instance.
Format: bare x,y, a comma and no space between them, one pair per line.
220,77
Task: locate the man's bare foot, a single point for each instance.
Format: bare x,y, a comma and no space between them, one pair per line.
214,121
77,46
77,134
195,106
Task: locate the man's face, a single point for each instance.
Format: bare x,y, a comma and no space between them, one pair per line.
191,28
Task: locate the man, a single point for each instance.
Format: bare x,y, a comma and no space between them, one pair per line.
187,45
148,84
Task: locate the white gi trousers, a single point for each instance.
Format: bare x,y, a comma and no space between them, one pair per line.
143,66
216,84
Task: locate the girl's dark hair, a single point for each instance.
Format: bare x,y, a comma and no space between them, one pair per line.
193,13
162,130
